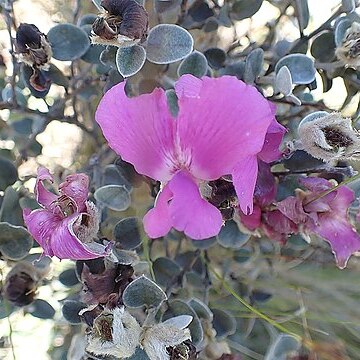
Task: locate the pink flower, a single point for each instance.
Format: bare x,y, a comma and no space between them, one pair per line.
68,223
326,216
220,129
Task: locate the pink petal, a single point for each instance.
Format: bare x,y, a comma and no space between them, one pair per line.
41,224
157,221
265,188
244,178
66,245
315,184
189,212
292,208
274,136
139,129
43,196
76,187
342,237
252,221
217,122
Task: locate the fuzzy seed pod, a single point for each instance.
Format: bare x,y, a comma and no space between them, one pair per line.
32,46
349,50
329,137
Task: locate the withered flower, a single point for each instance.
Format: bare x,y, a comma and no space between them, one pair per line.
32,46
184,351
124,23
105,287
329,137
21,284
39,81
349,49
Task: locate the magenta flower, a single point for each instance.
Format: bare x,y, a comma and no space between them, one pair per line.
326,216
68,223
220,129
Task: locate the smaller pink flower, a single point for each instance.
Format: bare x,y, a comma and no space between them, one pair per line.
68,223
326,216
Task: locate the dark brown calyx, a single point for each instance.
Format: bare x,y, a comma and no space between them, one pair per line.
336,138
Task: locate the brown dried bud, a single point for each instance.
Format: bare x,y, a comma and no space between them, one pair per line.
32,46
21,284
107,286
125,23
185,350
329,137
39,81
349,50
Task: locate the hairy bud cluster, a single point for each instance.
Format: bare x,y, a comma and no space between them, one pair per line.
329,137
349,49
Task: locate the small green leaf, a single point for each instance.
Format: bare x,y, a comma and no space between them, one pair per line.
201,309
348,6
87,19
168,43
231,237
300,66
41,309
15,241
93,53
340,30
302,13
8,173
68,277
323,47
194,64
282,347
11,211
115,197
68,42
223,323
130,60
216,57
143,292
127,233
113,176
253,65
283,81
243,9
71,309
165,270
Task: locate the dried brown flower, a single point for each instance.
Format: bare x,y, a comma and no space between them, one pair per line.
349,49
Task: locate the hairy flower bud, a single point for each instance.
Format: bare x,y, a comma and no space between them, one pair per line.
349,49
124,23
21,284
32,46
329,137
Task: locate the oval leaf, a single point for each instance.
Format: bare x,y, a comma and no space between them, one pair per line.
143,292
223,323
68,42
253,65
195,64
165,270
168,43
115,197
283,81
15,241
130,60
71,309
281,347
243,9
8,173
231,237
41,309
300,66
127,233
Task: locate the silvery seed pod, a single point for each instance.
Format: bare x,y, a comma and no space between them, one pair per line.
349,49
329,137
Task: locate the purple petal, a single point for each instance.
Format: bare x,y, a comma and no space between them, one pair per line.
157,221
41,224
189,212
292,208
139,129
277,226
43,196
341,236
66,245
273,138
252,221
315,184
244,178
76,188
265,188
217,122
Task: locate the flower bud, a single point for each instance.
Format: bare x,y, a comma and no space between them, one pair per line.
124,23
329,137
349,49
32,46
21,284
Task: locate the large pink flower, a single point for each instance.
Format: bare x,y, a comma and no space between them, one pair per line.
68,223
326,216
220,129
